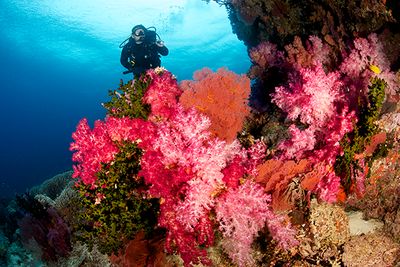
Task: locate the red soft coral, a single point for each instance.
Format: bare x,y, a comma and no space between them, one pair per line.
162,93
97,146
92,147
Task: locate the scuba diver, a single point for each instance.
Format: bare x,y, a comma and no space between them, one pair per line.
142,50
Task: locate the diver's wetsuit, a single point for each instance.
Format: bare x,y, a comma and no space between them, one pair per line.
145,56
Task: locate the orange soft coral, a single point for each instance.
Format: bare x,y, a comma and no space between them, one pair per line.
222,96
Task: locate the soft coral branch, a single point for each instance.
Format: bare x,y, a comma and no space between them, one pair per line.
367,60
93,147
100,145
310,96
242,213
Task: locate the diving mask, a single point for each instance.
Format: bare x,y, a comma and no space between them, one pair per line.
139,33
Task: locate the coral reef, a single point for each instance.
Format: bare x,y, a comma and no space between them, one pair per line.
212,193
324,99
229,170
191,172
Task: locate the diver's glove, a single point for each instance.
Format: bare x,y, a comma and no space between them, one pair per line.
160,43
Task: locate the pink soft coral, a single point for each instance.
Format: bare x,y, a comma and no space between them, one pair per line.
184,147
242,213
184,143
300,142
203,190
310,96
266,55
316,99
358,66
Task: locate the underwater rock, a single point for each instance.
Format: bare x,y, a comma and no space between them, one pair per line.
17,255
279,21
4,244
373,249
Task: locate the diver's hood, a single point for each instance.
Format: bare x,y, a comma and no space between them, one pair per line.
140,26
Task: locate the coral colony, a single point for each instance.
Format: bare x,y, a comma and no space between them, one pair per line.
203,183
243,170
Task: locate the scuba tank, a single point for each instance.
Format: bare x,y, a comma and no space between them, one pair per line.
152,35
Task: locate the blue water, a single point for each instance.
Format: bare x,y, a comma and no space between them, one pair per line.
60,58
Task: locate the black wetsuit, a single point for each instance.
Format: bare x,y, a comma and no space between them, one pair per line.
145,56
